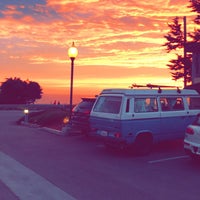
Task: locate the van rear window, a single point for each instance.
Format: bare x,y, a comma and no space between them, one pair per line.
108,104
193,102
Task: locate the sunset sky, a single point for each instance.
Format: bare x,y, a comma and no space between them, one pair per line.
119,43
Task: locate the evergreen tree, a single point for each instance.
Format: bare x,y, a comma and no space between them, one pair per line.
195,7
175,38
175,42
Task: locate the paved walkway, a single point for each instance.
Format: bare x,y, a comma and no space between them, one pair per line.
26,184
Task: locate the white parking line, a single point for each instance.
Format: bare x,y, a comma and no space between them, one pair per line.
26,184
167,159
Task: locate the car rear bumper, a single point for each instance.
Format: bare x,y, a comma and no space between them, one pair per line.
191,148
117,143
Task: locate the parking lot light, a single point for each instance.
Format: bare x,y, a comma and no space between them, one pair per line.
26,112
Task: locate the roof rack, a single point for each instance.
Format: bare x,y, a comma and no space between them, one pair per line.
149,85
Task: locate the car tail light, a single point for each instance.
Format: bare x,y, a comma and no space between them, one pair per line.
87,112
94,129
117,135
189,131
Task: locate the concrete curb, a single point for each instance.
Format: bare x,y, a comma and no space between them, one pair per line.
53,131
50,130
64,132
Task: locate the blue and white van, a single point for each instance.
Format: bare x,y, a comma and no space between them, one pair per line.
140,117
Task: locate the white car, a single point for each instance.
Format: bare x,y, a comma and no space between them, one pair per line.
192,139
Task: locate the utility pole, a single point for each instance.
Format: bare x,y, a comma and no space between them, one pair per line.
185,40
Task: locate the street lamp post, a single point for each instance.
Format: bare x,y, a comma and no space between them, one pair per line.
72,53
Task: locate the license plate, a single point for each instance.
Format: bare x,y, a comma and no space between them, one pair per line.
103,133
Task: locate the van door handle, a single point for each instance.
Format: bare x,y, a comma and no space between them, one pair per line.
133,115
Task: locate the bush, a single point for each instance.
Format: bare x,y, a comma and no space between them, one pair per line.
52,118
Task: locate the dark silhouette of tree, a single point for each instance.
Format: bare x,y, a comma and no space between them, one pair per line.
175,42
33,92
195,7
175,38
16,91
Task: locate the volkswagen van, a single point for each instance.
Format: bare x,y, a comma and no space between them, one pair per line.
138,118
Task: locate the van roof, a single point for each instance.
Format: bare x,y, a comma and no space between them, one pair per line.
151,92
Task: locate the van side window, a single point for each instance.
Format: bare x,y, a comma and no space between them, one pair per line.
145,105
171,103
193,103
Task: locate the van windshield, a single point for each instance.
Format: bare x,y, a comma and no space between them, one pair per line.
108,104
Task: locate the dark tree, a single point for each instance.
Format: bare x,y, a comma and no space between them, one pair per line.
16,91
195,7
33,92
175,37
175,42
177,67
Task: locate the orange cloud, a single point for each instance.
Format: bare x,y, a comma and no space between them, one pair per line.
116,40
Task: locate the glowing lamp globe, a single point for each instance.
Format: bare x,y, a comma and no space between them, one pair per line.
72,51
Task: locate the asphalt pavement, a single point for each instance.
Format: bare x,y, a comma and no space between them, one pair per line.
38,164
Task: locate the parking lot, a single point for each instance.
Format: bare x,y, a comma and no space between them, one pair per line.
81,168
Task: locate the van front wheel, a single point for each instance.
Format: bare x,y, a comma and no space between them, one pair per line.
143,144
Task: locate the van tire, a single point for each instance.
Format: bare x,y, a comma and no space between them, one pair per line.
143,144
